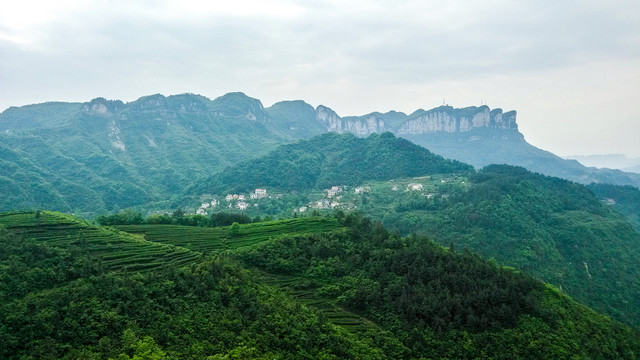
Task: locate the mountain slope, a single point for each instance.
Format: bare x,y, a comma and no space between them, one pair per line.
412,298
555,229
327,160
105,155
552,228
475,135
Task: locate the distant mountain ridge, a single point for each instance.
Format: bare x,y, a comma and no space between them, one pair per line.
479,136
59,155
106,155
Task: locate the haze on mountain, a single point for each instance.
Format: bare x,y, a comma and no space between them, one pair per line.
610,161
106,155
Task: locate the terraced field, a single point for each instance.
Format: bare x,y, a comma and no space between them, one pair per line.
218,238
115,249
336,314
148,247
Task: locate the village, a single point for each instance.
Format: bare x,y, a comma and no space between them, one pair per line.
336,197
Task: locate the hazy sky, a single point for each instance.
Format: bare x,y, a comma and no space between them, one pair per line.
570,68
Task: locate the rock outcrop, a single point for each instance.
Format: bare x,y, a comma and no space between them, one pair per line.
442,119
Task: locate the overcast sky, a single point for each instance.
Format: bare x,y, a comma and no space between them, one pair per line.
570,68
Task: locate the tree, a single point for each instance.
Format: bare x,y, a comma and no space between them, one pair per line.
234,230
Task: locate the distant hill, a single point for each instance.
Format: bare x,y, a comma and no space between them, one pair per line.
107,155
475,135
330,160
610,161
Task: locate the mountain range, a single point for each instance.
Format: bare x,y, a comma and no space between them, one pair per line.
557,230
106,155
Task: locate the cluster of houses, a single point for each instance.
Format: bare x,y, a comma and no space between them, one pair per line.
234,200
202,210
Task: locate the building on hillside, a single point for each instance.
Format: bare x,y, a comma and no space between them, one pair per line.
241,197
362,189
201,211
394,188
414,186
334,191
242,205
302,209
204,205
229,197
214,203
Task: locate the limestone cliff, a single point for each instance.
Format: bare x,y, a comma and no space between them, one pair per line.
442,119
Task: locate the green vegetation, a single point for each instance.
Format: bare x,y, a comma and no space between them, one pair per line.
625,199
433,303
113,250
330,159
211,239
106,155
552,228
336,293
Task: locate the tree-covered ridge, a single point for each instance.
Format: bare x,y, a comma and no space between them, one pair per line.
107,155
424,301
438,303
328,160
625,199
552,228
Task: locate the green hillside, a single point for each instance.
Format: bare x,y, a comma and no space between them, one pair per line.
625,199
327,160
113,250
106,155
552,228
355,293
205,239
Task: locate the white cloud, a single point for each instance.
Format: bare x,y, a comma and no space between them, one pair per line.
356,56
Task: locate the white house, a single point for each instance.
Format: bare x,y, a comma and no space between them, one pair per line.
242,205
363,189
334,191
201,211
414,186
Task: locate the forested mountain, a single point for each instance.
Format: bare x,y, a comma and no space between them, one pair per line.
141,153
73,290
552,228
625,199
475,135
328,160
105,155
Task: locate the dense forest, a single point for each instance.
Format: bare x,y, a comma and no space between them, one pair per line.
552,228
328,160
67,294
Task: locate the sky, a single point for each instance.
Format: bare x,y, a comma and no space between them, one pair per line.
570,68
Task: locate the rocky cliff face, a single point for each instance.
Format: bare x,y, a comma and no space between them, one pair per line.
443,119
447,119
